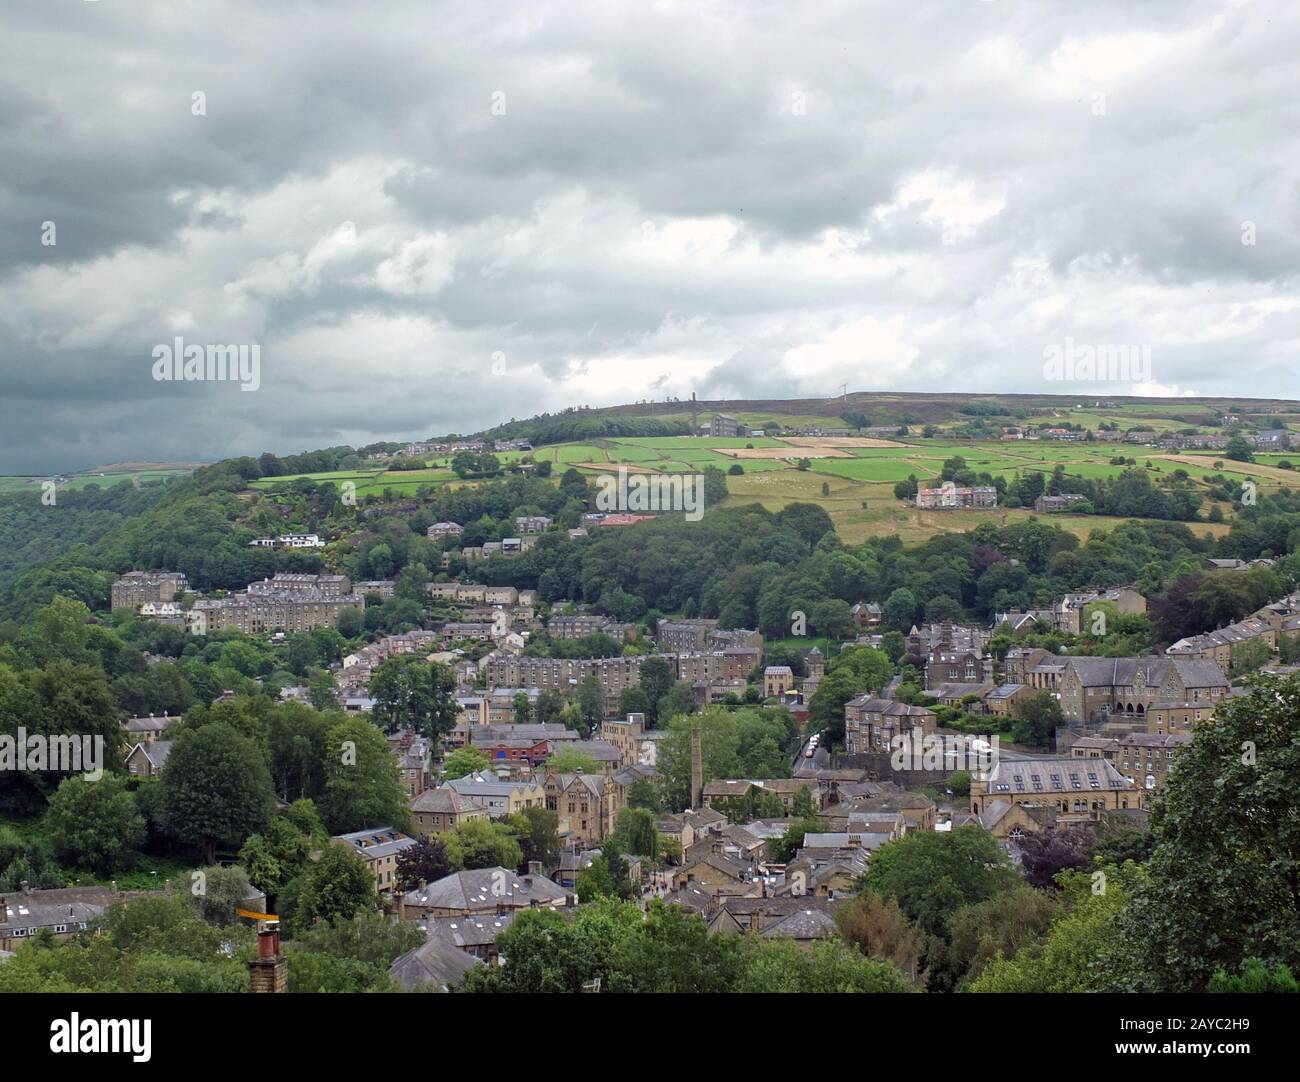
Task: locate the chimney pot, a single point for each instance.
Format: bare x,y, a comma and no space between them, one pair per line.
268,939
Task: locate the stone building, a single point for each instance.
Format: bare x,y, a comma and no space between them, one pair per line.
871,723
1096,687
564,674
587,805
1180,717
379,849
950,497
436,810
1218,646
777,680
286,582
135,588
1142,758
1076,790
260,611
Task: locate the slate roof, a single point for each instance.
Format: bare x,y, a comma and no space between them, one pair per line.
380,842
485,889
469,932
155,751
1123,671
803,924
70,906
1047,776
436,962
780,906
150,724
705,817
691,897
443,802
732,869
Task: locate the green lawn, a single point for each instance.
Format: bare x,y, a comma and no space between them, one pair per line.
870,469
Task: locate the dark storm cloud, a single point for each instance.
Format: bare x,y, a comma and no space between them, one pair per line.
626,201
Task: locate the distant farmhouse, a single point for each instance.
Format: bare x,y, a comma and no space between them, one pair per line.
1045,504
724,425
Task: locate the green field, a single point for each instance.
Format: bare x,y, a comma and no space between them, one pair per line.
368,482
855,484
870,469
14,483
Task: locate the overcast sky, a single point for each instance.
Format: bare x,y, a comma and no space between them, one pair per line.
437,217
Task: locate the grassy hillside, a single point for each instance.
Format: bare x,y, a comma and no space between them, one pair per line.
853,479
154,516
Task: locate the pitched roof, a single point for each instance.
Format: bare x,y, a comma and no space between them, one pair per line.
443,802
732,869
150,724
35,909
436,962
484,889
1199,673
691,897
803,924
472,931
376,843
1118,671
1029,776
155,751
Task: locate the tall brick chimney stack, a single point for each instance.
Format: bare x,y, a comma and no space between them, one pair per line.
697,771
269,971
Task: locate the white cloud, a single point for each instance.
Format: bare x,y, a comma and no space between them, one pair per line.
650,217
